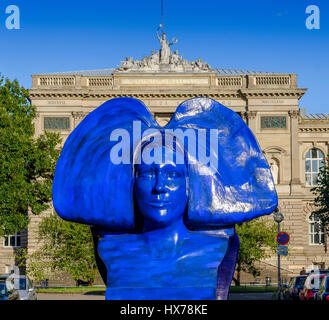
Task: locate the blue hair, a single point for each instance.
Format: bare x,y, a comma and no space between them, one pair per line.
88,188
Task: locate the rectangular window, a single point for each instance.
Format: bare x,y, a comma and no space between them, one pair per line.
56,123
13,241
316,235
273,122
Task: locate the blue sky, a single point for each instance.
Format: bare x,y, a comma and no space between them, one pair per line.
264,35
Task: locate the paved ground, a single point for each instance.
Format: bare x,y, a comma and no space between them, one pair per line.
233,296
54,296
251,296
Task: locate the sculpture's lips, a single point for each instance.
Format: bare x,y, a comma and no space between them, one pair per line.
158,204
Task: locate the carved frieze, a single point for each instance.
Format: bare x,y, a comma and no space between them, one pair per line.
56,123
273,122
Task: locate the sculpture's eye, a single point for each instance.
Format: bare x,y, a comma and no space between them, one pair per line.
146,174
171,174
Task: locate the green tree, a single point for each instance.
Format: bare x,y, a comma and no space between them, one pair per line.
66,247
27,164
321,200
256,238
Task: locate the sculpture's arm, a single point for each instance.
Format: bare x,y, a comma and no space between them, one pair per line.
173,41
158,35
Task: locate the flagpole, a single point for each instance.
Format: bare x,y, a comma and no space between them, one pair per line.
162,14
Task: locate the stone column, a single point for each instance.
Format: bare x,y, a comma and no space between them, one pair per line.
295,184
37,125
249,117
244,116
78,117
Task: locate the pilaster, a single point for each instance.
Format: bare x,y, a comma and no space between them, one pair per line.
295,163
78,117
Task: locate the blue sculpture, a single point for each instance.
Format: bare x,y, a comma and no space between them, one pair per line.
162,202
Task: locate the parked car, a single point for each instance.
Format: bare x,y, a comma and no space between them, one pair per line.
21,288
311,286
291,291
3,290
26,290
323,293
318,271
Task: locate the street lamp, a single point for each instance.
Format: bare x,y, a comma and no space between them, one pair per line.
278,218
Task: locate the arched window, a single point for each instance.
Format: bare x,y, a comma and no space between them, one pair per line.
316,234
314,161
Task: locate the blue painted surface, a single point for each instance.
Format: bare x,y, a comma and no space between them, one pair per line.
165,263
166,230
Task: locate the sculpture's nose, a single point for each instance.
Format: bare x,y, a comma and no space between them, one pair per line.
160,186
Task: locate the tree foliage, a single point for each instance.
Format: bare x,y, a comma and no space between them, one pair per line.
27,164
257,240
66,247
321,200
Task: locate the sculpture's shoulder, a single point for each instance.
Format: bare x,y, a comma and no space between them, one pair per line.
187,239
116,244
189,244
204,241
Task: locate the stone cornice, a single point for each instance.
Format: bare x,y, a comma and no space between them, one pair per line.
306,122
170,93
51,94
258,93
313,129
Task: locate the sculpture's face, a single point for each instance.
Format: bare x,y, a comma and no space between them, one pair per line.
160,193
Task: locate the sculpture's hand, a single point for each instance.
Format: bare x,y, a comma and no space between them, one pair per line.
173,41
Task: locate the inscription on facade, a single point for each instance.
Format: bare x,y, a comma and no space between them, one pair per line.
225,103
273,101
195,81
273,122
56,102
163,103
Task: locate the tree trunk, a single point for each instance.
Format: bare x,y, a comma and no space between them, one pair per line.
238,274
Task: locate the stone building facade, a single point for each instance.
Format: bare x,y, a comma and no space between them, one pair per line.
292,141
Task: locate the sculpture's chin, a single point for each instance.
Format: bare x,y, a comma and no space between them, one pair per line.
156,217
158,222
